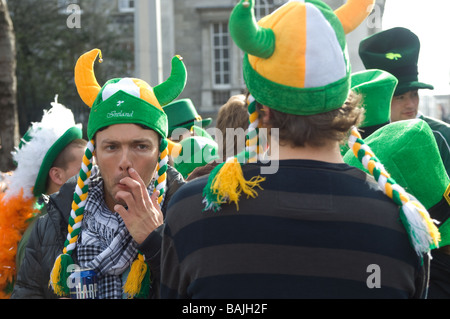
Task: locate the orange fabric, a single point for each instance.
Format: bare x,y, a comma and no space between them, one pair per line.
14,219
85,81
291,46
147,93
353,13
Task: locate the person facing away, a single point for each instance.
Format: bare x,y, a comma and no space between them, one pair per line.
49,154
232,121
397,51
108,221
315,228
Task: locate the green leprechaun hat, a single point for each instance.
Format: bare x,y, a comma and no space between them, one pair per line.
409,152
397,51
123,100
195,151
182,114
295,62
377,88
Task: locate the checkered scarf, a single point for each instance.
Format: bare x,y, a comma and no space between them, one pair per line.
105,244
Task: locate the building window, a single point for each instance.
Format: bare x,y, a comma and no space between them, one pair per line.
266,7
126,5
64,6
221,55
263,8
220,97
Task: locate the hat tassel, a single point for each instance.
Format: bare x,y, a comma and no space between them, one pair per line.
227,184
138,281
423,233
59,275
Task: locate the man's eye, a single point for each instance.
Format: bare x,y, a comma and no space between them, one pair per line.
142,147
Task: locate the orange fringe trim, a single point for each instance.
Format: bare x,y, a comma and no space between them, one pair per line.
15,214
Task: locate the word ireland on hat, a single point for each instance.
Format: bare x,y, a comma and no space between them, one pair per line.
119,101
397,51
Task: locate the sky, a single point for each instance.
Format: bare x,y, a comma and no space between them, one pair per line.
430,21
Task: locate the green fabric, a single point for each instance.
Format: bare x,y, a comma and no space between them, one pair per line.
334,22
198,131
182,114
409,152
377,88
170,89
196,151
41,180
131,109
255,40
397,51
297,101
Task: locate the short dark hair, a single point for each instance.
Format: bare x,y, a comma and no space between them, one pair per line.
65,157
316,130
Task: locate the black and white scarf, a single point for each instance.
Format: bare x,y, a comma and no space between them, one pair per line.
105,244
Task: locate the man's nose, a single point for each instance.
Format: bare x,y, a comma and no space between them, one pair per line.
125,161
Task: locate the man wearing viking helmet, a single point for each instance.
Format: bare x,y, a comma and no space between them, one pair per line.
109,218
317,228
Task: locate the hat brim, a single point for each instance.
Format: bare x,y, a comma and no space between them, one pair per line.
70,135
402,88
203,122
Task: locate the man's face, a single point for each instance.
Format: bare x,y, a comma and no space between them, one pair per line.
405,106
120,147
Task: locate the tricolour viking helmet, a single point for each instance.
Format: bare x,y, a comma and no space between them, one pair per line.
295,62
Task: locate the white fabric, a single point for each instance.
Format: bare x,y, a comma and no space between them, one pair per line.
55,122
325,61
126,84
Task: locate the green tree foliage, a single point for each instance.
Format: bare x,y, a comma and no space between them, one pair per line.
50,38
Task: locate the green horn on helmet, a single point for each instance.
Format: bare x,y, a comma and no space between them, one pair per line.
169,90
256,41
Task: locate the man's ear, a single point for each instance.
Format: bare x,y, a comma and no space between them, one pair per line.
56,175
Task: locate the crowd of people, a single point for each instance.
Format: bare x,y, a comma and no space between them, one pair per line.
158,206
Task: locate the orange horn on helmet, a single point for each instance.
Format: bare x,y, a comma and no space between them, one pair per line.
353,13
85,81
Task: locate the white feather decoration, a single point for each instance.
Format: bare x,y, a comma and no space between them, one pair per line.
55,122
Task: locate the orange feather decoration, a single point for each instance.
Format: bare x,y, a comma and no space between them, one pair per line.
15,215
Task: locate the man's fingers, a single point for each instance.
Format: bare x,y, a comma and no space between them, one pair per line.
137,187
121,211
154,200
135,175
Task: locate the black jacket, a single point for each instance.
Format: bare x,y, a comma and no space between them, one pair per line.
50,231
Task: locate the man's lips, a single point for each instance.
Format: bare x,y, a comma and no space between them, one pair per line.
121,186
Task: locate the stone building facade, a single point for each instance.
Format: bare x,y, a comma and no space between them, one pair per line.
198,31
156,30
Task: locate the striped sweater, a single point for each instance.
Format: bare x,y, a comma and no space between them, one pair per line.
316,230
